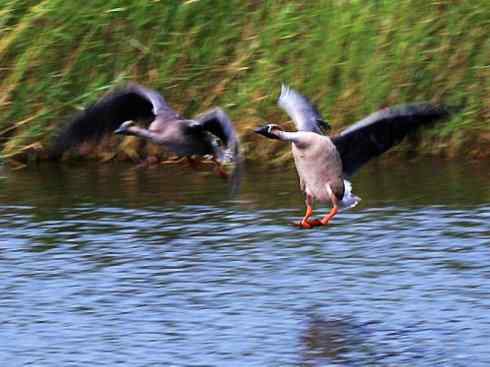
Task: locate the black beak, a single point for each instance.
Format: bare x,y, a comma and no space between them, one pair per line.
120,131
262,130
266,131
124,128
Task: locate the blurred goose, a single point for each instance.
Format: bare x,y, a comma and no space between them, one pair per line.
323,163
211,133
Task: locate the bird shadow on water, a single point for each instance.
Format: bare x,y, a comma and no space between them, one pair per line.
336,340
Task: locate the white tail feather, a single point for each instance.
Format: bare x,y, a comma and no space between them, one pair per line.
349,200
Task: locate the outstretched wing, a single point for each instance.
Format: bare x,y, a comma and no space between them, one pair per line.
303,113
134,102
217,122
382,130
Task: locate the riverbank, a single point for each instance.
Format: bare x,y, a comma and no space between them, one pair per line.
349,57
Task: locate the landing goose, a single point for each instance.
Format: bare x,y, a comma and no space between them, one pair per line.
209,134
323,163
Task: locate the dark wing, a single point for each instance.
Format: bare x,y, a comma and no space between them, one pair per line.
134,102
303,113
159,105
382,130
217,122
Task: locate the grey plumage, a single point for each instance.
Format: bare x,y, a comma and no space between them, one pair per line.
323,163
304,114
318,162
211,133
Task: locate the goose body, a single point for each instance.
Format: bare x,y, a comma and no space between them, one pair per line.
323,163
318,164
177,135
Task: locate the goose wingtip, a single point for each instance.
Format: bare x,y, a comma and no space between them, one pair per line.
284,92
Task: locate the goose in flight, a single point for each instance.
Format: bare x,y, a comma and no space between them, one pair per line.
323,163
209,134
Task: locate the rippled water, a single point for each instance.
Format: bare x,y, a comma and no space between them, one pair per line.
107,264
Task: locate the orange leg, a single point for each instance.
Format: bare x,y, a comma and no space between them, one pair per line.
197,163
218,168
327,218
305,222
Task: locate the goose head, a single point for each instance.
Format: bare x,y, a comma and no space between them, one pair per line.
124,128
271,131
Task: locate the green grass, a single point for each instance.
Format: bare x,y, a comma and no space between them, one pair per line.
350,57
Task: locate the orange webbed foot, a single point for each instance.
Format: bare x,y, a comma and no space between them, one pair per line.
315,222
304,224
311,223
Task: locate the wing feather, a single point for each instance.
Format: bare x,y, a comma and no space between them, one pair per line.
133,102
303,113
380,131
217,122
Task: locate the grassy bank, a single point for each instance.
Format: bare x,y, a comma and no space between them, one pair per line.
351,57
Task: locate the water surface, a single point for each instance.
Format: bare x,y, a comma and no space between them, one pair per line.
108,264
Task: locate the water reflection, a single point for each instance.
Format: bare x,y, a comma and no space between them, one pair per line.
107,264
